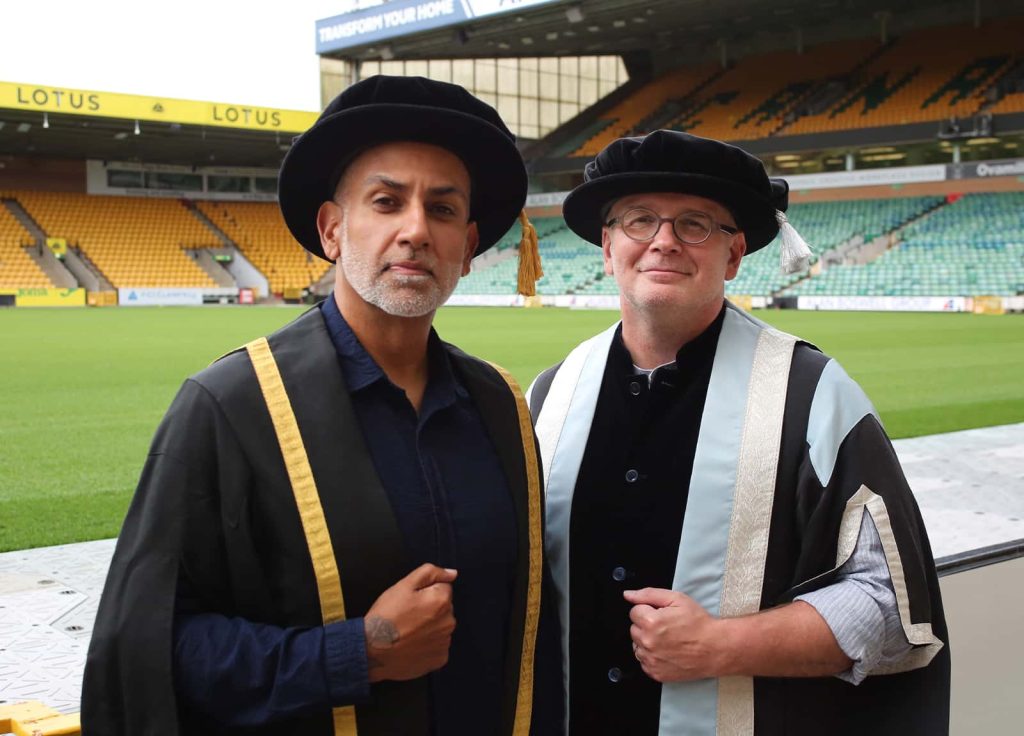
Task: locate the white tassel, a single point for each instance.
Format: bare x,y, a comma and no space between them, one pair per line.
795,254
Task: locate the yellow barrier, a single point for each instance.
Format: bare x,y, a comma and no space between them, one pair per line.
32,718
47,297
988,305
743,301
101,298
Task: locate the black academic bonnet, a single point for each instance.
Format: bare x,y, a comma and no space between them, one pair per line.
384,109
671,161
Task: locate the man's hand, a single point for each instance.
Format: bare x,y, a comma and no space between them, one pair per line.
675,640
409,627
673,637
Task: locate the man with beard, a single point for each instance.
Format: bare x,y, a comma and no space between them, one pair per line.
734,546
338,528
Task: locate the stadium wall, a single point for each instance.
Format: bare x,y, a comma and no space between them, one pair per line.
554,210
938,188
42,174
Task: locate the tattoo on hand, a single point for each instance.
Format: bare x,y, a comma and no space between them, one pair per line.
380,632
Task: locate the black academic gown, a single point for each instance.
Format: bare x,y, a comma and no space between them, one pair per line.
214,504
805,522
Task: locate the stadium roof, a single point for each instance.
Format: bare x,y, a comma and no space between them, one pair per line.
39,120
684,29
69,123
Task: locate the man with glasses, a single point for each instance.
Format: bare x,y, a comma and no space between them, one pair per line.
733,543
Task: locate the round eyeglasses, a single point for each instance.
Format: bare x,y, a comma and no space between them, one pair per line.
641,224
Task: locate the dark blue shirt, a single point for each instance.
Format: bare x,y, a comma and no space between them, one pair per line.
453,507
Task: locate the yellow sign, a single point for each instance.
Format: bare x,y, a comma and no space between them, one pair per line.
743,301
47,297
988,305
101,298
59,246
43,98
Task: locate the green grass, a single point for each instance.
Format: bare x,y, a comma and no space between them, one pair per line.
82,390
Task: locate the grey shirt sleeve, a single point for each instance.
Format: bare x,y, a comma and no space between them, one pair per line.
860,608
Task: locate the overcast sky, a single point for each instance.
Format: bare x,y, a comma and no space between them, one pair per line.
256,53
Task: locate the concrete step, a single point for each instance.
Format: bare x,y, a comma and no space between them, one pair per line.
96,274
58,274
213,268
54,269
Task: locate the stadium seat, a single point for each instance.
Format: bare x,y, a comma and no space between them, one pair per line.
643,105
825,226
971,247
133,242
927,75
573,266
17,269
258,229
752,98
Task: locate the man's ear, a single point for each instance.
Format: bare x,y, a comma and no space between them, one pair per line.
737,249
329,220
606,250
472,243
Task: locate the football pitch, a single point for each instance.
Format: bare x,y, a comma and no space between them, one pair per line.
82,390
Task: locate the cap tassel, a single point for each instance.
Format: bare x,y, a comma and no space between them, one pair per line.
530,269
795,254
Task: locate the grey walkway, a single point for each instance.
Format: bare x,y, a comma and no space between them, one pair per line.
48,601
970,486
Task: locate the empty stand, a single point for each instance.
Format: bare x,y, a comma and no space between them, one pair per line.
133,242
752,98
259,231
972,247
1013,102
570,263
17,269
573,266
826,226
657,100
927,75
1008,91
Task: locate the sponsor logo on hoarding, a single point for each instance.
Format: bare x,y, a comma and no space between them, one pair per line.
387,20
60,99
247,116
74,297
545,199
868,177
997,168
883,303
160,297
366,24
